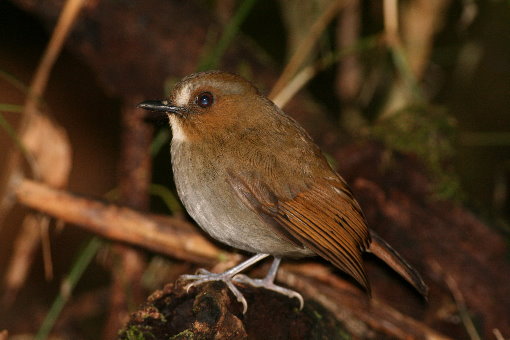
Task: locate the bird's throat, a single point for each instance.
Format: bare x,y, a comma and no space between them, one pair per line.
178,133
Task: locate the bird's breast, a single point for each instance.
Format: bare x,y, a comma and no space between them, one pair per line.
202,186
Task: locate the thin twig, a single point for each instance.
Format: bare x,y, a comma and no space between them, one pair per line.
31,117
62,29
22,257
391,25
305,48
497,334
39,81
407,86
349,73
294,85
44,224
461,307
412,52
421,20
308,72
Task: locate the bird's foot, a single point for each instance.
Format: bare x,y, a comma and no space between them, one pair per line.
204,276
268,283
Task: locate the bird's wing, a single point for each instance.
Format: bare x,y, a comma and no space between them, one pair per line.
324,217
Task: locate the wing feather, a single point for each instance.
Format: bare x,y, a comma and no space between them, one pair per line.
323,217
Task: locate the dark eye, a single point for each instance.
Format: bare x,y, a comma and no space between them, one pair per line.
205,99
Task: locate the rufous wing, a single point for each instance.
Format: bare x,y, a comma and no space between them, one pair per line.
322,216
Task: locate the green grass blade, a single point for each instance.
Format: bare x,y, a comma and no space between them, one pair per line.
82,262
212,59
15,82
162,138
4,124
11,108
171,201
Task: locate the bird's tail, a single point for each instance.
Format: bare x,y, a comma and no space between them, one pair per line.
385,252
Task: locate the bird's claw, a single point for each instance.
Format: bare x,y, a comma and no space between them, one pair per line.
269,284
204,276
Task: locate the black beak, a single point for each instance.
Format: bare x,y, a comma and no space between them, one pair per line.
161,106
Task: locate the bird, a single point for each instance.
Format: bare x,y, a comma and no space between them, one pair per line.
252,178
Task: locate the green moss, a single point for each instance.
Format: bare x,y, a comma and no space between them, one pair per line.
343,335
322,324
317,315
185,334
135,333
429,133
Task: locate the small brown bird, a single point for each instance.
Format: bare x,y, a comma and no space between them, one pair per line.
252,178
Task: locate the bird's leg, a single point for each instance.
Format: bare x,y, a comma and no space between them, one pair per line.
268,282
203,276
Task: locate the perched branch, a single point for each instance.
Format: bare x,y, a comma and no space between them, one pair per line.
164,235
178,239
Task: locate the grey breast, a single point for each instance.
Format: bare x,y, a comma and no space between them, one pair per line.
213,204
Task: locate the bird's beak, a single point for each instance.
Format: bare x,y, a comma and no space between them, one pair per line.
161,106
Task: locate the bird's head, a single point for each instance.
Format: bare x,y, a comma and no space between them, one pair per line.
207,103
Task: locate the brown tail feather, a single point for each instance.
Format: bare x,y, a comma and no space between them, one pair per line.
385,252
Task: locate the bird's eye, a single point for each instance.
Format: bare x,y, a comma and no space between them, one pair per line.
205,99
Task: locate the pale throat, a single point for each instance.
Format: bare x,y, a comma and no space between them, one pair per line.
180,99
178,134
